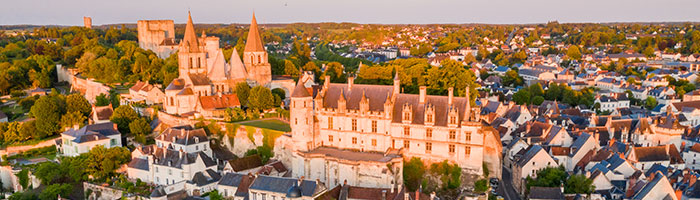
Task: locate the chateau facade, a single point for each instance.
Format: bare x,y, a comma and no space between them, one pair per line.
340,121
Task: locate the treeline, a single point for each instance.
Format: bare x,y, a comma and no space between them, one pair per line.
535,94
98,165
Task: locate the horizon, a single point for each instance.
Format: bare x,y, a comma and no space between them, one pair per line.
389,12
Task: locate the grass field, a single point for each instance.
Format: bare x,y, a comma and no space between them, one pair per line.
272,124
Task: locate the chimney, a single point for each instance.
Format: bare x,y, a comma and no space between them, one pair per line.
351,81
392,189
326,81
432,195
383,194
666,148
417,194
450,95
114,125
421,97
76,126
406,195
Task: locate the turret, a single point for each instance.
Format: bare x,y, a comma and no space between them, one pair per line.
301,118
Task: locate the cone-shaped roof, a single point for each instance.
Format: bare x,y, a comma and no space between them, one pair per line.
237,68
190,42
300,90
254,43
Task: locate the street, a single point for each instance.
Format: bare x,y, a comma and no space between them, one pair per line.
505,187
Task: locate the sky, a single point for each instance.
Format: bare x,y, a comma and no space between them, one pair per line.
70,12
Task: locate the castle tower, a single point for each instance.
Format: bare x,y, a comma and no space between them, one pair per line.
255,56
87,22
192,57
301,118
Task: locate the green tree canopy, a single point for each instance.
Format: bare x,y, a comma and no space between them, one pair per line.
261,98
123,116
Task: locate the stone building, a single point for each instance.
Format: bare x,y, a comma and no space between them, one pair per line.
204,72
157,36
87,22
344,131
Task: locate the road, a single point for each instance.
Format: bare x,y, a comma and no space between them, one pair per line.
505,187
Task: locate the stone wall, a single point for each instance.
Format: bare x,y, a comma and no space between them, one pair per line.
94,192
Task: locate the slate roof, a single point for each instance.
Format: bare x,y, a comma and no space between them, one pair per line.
176,84
529,154
353,155
205,177
199,79
246,163
375,94
184,135
93,132
545,193
138,163
240,181
440,103
282,185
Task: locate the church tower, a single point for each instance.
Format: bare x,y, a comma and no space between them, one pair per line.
255,56
191,57
301,118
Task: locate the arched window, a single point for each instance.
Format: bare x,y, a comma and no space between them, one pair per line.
172,102
199,62
259,59
190,65
252,59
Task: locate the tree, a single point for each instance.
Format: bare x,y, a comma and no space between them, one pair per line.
101,100
548,177
242,92
413,172
73,118
264,151
574,52
512,78
260,98
650,103
123,116
47,112
234,115
290,69
101,162
140,128
76,102
579,184
537,100
52,191
214,195
522,97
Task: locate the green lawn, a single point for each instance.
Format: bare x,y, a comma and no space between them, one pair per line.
272,124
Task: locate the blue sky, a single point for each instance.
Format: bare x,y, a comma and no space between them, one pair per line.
70,12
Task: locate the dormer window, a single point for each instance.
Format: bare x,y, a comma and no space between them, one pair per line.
407,113
429,114
196,140
453,120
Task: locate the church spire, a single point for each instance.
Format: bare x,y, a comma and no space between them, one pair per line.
254,43
190,43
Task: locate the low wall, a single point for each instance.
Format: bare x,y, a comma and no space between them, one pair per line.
12,150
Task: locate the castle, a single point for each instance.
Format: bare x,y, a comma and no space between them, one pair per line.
204,73
361,133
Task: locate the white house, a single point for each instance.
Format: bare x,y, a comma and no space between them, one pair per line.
76,141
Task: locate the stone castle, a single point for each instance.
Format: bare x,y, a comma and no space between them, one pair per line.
205,75
361,133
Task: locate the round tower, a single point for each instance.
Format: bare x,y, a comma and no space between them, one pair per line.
301,118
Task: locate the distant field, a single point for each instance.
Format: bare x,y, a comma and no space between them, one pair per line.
272,124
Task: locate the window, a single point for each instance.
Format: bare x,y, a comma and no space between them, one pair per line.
452,148
330,122
406,116
330,138
295,121
407,131
469,136
196,148
354,140
170,172
113,142
453,134
374,126
429,118
467,150
182,174
392,143
156,169
428,147
354,124
429,133
199,62
374,142
406,144
259,59
453,120
190,63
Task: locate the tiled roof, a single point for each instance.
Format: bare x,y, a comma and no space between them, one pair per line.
282,185
254,43
215,102
545,193
103,112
